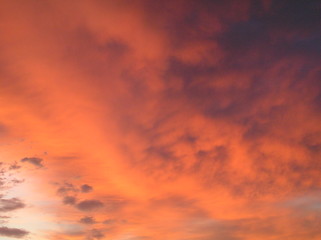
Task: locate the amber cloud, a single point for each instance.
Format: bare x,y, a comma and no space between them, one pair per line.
153,120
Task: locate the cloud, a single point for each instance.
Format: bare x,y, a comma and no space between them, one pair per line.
14,166
85,188
69,200
109,221
87,220
67,187
4,219
34,161
13,232
8,177
214,104
89,205
7,205
96,234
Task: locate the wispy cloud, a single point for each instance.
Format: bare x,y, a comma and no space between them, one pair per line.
7,205
34,161
13,232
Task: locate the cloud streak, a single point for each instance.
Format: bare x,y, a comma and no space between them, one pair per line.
34,161
89,205
7,205
13,232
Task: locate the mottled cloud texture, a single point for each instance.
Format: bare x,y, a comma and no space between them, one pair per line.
9,206
178,119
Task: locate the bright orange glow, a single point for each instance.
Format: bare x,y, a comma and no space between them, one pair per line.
153,120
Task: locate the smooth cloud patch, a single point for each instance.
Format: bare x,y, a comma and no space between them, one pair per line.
7,205
96,234
87,220
69,200
34,161
85,188
89,205
13,232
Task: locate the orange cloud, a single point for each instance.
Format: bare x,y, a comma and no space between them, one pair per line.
172,120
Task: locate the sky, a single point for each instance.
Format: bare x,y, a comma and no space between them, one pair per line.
153,120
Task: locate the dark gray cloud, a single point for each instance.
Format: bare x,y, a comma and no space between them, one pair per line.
17,181
160,152
13,232
7,205
66,158
14,166
34,161
116,49
89,205
163,156
69,200
7,177
259,42
7,181
85,188
270,38
312,142
256,131
66,188
87,220
214,163
96,234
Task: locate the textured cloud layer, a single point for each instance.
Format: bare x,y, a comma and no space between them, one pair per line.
165,119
